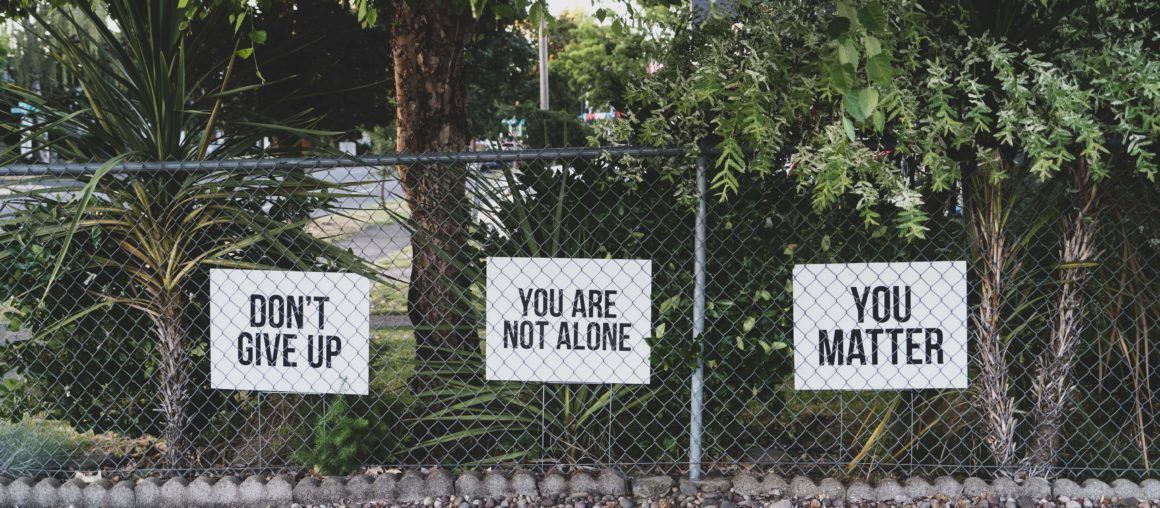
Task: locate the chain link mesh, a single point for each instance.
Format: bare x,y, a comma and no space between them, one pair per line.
106,357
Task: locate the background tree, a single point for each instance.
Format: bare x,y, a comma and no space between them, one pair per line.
498,69
317,57
597,64
430,43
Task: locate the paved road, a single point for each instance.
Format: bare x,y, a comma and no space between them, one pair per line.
368,183
370,190
376,242
367,190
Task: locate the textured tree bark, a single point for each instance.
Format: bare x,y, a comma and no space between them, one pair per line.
1051,390
173,356
428,42
994,265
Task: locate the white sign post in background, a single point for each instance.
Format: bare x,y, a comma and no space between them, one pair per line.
299,332
880,326
567,320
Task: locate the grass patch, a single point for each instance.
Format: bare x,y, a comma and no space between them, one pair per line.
389,298
397,260
393,361
338,226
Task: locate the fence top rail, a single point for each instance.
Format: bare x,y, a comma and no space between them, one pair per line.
83,168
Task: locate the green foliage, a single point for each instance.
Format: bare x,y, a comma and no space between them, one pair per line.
80,355
597,64
747,92
36,444
309,56
889,100
341,442
498,66
11,397
116,290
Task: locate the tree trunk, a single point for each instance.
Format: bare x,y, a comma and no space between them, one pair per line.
174,364
1052,387
428,41
994,265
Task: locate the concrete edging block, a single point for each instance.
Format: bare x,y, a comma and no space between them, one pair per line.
123,494
916,487
332,489
859,490
360,488
71,493
747,484
947,486
523,483
1098,490
200,492
280,489
252,491
44,494
470,485
97,493
174,492
612,483
553,484
1151,489
411,488
307,491
439,483
832,489
148,491
226,491
801,486
496,484
975,486
385,487
888,489
1127,488
651,486
414,486
774,484
582,483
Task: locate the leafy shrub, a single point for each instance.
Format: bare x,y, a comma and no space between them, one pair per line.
342,441
35,444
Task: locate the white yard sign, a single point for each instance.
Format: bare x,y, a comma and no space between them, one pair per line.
880,326
300,332
564,320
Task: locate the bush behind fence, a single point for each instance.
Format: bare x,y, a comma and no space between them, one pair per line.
106,357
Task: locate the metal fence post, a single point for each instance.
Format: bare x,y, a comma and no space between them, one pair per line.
698,383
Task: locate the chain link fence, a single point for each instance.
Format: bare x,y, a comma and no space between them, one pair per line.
108,272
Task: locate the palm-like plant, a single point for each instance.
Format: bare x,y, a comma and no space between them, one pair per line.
525,215
150,236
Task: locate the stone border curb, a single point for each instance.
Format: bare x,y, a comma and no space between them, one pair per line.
417,486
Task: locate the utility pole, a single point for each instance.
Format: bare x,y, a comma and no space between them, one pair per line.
543,62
